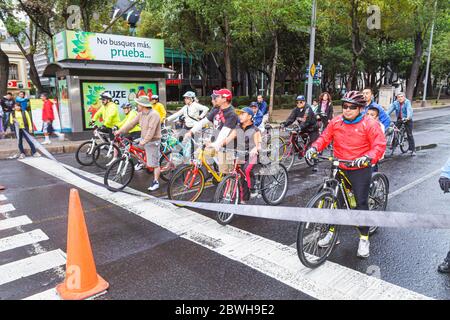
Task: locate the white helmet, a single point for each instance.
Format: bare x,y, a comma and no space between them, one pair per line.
106,95
189,94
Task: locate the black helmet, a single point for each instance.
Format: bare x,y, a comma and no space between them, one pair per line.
354,97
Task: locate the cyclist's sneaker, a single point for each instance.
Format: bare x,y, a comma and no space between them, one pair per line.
444,267
254,194
325,242
22,156
363,248
111,162
413,153
154,186
138,166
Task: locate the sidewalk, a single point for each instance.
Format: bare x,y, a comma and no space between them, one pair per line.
281,115
8,146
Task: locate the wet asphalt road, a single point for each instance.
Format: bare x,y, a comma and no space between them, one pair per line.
141,260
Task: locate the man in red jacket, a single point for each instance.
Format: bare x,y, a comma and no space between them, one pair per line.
360,139
47,118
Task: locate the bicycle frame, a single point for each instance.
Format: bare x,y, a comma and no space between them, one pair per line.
293,142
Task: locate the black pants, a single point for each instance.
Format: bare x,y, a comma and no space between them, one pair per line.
409,129
360,180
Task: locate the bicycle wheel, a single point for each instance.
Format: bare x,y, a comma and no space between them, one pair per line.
119,174
288,156
228,192
279,148
104,155
378,195
274,186
309,234
187,184
404,142
83,155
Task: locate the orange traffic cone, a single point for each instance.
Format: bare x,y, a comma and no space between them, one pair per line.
82,280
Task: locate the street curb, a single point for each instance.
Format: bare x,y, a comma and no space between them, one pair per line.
69,148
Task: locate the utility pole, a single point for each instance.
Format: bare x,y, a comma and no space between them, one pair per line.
425,87
312,41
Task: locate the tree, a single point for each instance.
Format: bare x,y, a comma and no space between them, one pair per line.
4,72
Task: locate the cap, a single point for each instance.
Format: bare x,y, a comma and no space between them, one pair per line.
224,93
249,111
301,98
254,104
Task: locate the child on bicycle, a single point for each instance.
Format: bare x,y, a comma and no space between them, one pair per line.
247,136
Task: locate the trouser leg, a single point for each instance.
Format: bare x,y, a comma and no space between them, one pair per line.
360,180
33,149
409,128
20,141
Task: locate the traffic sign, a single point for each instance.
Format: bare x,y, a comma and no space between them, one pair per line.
313,69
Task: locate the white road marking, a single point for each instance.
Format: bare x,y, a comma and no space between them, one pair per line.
22,239
3,197
14,222
330,281
50,294
6,208
414,183
30,266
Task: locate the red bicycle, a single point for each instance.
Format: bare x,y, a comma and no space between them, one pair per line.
121,171
297,145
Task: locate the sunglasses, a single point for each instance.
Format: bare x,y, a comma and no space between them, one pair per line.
351,107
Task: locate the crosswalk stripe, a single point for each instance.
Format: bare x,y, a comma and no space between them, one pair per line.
30,266
271,258
3,197
14,222
22,239
6,208
50,294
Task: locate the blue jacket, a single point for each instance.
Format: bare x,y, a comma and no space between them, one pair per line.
258,118
23,102
407,110
384,118
446,170
263,107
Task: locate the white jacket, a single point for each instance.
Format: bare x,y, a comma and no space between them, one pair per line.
192,114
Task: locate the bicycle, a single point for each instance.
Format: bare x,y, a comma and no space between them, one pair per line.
271,142
335,193
230,189
188,182
84,153
297,144
105,153
396,136
121,171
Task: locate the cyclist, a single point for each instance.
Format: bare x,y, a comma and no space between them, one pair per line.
370,103
247,137
306,119
325,109
158,107
359,138
404,113
130,114
444,182
192,111
263,107
150,124
109,113
223,118
257,116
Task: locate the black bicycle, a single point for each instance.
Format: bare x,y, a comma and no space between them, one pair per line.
335,193
396,136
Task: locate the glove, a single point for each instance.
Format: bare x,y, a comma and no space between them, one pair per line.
311,153
445,184
362,162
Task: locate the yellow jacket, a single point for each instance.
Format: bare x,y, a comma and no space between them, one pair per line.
130,116
110,115
19,118
159,107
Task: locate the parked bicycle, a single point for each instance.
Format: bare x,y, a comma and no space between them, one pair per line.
84,153
396,136
335,193
271,184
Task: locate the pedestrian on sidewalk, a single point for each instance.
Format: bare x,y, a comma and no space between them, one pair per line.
47,118
325,109
404,113
7,105
22,120
22,100
150,123
444,182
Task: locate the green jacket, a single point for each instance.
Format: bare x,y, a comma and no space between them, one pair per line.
110,115
130,116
